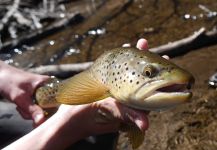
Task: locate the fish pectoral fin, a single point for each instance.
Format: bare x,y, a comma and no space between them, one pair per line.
81,89
134,134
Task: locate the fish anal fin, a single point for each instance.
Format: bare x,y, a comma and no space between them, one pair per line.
81,89
134,134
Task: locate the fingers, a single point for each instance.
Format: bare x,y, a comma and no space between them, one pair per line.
28,110
23,113
38,82
166,57
142,44
112,109
137,117
37,114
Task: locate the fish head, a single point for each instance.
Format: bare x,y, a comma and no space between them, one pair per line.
150,82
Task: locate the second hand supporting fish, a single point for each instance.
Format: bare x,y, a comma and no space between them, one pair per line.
141,80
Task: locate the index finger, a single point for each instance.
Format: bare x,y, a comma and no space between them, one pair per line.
142,44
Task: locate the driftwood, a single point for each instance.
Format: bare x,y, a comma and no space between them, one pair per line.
197,40
9,13
42,32
39,17
61,70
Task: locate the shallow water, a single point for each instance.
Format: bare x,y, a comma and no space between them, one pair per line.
108,24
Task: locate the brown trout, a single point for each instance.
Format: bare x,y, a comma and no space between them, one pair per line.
138,79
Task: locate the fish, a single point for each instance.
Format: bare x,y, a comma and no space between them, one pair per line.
138,79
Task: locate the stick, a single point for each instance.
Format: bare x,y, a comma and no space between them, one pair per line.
41,32
173,49
199,39
170,46
10,13
61,70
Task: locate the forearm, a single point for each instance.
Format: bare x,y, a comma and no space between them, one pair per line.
55,133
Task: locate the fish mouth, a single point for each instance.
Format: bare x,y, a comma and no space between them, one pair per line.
160,95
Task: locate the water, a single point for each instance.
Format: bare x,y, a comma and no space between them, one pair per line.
112,24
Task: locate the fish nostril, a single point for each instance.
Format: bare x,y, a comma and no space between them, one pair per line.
191,81
189,85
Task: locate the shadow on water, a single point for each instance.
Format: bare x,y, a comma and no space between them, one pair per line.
102,25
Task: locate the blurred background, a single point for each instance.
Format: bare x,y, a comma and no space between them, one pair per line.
52,32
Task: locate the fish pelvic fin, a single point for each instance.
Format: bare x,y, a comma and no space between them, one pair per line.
134,134
81,89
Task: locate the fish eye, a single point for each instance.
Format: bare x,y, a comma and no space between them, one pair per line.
149,71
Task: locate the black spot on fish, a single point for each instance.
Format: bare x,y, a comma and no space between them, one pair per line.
131,81
133,73
119,66
113,73
127,68
137,82
118,73
138,62
125,64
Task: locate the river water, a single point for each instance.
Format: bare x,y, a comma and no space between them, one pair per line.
103,25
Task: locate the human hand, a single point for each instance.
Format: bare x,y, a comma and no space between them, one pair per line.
106,115
103,116
19,86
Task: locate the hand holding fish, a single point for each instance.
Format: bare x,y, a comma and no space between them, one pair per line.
18,86
71,123
135,79
144,81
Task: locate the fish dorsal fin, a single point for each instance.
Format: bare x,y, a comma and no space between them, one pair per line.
135,136
81,89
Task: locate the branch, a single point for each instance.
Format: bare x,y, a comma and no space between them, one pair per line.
61,70
10,13
176,48
71,18
199,39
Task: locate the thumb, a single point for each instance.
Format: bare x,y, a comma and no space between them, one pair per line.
37,114
28,110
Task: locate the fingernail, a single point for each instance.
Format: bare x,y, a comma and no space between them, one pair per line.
141,125
38,118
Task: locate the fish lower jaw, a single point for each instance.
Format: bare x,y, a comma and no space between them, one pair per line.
164,100
161,100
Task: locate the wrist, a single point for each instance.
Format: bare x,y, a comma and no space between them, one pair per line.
67,128
58,132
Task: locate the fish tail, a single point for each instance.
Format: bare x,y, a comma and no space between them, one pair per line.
45,96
